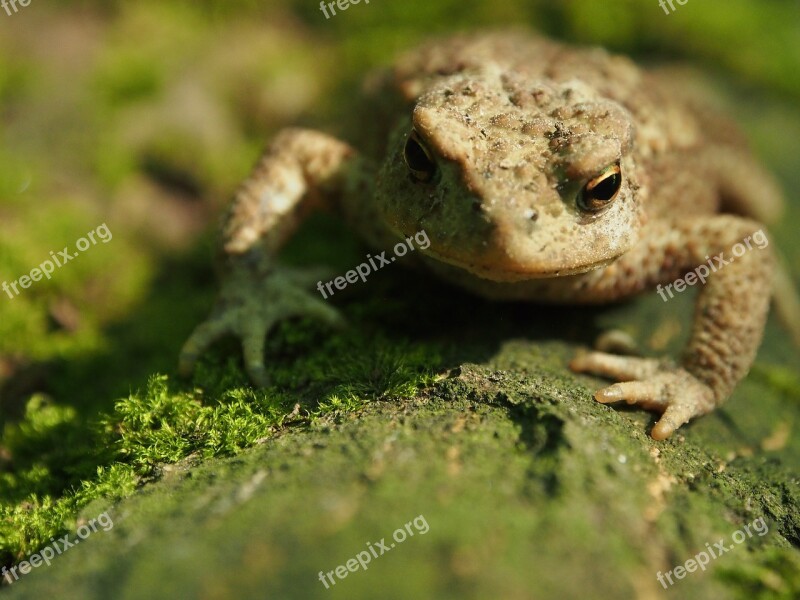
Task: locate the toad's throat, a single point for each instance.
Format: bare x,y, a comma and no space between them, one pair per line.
504,273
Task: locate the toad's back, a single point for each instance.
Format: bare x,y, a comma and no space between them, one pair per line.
674,125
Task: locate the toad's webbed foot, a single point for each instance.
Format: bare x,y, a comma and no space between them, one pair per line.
250,303
652,384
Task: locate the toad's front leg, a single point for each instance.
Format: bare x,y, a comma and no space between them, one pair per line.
732,255
301,171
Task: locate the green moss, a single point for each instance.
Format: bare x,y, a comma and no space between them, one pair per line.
55,459
160,426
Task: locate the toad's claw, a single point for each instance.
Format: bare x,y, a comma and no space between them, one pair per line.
203,336
248,307
653,385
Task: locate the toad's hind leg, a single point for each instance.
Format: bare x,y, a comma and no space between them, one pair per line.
747,189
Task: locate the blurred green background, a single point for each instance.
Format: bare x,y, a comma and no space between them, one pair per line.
145,115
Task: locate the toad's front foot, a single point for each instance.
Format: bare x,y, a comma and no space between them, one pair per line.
653,385
251,301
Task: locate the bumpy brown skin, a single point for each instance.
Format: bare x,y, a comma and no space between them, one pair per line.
516,126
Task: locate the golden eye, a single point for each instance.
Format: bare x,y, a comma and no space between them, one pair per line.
418,158
600,191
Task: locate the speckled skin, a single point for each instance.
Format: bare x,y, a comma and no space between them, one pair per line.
516,126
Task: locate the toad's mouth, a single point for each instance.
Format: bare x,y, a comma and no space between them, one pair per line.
502,273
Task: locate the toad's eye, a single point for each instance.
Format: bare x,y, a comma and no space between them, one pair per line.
601,191
418,158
